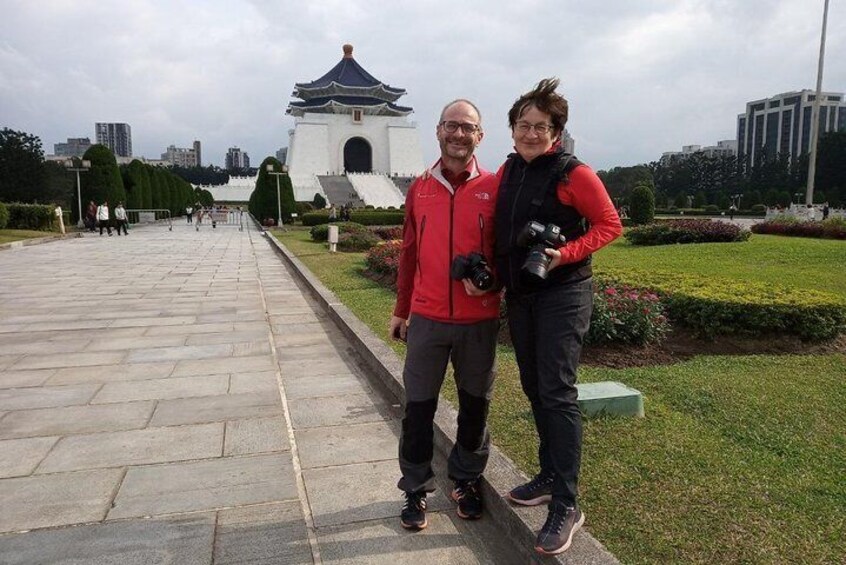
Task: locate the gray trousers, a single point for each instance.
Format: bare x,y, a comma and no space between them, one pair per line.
431,345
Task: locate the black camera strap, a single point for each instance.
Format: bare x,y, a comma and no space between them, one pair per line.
558,174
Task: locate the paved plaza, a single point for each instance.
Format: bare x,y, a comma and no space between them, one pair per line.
175,397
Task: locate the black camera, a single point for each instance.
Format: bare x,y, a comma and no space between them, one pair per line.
473,267
538,238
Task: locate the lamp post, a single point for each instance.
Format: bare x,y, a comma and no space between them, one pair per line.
270,171
815,115
84,166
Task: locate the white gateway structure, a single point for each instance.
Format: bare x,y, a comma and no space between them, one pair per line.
350,140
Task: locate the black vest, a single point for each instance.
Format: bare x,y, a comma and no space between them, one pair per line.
528,191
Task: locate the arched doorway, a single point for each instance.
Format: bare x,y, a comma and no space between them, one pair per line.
358,156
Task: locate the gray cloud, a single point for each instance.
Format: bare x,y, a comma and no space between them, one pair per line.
642,77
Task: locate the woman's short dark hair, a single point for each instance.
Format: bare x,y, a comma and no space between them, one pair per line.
544,98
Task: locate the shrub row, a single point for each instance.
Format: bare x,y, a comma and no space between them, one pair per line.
29,216
4,215
686,231
717,307
365,217
711,210
832,228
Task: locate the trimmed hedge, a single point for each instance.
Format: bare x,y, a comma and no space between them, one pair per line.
357,241
686,231
717,307
366,217
30,216
321,232
832,228
4,215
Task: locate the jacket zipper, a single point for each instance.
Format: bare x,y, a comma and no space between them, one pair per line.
482,235
420,246
511,240
449,279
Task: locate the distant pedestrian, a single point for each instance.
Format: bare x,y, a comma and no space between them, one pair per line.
103,217
120,218
189,212
732,210
826,211
333,213
91,216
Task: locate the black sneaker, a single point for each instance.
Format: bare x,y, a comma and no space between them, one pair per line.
469,499
535,492
557,533
413,515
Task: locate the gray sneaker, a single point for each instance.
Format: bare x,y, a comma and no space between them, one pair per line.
535,492
557,533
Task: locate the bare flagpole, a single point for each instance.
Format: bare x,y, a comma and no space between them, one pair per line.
815,115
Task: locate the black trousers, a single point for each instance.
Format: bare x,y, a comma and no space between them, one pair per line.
431,345
105,224
547,331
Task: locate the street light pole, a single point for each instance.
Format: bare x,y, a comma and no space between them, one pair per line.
85,165
815,116
270,171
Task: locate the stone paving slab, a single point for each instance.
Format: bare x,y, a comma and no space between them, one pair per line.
56,360
300,368
163,354
20,457
337,411
44,397
182,540
135,447
43,347
262,535
262,381
260,435
325,385
111,373
76,420
157,321
224,365
176,387
216,408
385,542
358,493
16,379
56,500
205,485
188,330
123,343
227,337
342,445
321,352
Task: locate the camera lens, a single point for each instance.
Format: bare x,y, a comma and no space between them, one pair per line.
537,263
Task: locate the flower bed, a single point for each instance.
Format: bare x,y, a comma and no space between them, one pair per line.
686,231
625,314
832,228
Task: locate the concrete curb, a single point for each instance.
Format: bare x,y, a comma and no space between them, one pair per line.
501,474
37,241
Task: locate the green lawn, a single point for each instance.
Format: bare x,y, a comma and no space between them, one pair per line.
796,262
8,236
738,460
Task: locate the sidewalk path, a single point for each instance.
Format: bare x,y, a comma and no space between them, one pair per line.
174,397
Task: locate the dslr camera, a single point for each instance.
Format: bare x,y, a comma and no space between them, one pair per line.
473,267
538,238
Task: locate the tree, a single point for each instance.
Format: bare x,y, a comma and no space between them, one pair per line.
642,207
21,166
136,181
319,202
263,198
103,180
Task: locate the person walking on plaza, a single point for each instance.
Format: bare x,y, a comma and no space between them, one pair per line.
103,217
189,214
120,219
449,211
91,216
549,316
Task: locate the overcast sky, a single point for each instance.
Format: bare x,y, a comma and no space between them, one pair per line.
642,76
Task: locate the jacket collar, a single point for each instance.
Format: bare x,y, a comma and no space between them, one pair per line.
435,171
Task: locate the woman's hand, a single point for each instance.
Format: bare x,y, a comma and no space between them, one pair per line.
556,258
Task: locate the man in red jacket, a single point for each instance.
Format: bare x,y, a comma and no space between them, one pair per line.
449,213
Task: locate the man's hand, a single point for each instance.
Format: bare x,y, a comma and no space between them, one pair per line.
398,328
471,289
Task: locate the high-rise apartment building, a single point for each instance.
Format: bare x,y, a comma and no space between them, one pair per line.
117,137
183,156
237,159
782,124
74,147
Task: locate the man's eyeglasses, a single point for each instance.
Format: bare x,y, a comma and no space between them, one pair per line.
452,127
525,127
